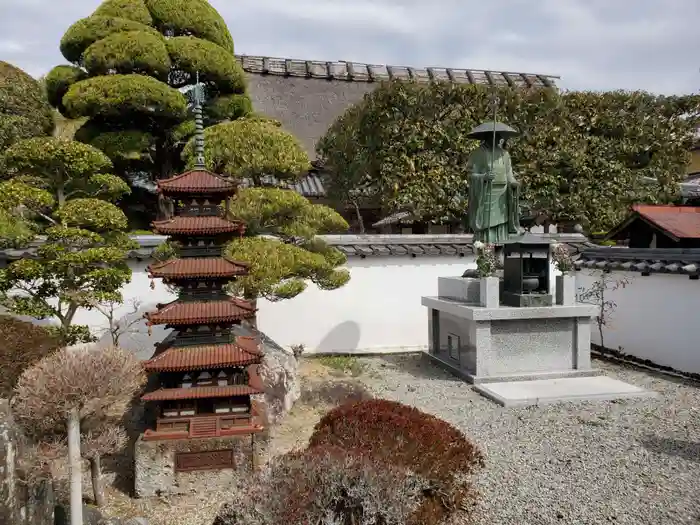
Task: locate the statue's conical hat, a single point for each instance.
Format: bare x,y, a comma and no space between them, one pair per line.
486,129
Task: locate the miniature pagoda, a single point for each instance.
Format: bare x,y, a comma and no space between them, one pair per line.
206,375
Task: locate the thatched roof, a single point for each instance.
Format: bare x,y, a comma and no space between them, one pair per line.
308,95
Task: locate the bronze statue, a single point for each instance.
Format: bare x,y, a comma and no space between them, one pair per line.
494,208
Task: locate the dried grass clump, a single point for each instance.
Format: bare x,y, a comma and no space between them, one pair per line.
390,433
329,486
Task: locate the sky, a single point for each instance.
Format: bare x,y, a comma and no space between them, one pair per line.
590,44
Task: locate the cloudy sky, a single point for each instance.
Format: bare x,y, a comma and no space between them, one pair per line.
591,44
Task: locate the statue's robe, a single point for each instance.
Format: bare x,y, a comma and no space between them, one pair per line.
494,208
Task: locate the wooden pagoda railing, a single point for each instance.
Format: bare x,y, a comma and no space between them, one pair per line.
202,426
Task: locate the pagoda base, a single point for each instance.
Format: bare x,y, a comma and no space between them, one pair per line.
184,466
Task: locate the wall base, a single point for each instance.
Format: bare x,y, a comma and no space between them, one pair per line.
476,380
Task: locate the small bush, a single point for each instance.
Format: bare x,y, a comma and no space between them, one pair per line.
326,485
23,345
394,434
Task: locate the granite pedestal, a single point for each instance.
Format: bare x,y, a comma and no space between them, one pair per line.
539,347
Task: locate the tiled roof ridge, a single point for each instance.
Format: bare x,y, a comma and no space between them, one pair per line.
644,260
364,72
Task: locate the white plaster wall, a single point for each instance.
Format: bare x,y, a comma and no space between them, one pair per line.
379,310
655,318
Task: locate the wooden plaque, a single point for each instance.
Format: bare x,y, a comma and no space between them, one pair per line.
208,460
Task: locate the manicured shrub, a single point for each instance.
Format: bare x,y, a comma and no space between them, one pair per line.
326,485
394,434
23,345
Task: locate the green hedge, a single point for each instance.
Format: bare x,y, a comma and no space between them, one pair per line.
59,80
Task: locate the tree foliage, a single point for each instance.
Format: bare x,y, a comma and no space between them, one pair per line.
251,149
580,156
288,256
24,111
134,63
83,259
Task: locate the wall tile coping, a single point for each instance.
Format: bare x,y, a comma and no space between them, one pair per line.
644,260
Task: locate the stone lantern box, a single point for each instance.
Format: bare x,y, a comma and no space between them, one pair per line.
526,271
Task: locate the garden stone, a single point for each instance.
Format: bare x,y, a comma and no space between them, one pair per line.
91,515
280,378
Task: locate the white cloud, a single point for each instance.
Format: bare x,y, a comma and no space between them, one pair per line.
591,44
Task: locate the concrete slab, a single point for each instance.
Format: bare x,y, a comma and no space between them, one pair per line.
546,391
475,312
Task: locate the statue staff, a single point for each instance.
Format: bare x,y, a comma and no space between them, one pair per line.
489,184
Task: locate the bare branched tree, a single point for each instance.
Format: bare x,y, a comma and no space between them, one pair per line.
76,389
125,324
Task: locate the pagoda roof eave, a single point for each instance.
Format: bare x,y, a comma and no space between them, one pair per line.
197,267
197,181
186,313
201,357
200,392
198,225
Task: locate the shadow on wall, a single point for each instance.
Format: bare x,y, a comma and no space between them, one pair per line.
344,337
135,338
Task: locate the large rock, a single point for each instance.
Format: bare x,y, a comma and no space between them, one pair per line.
19,504
279,374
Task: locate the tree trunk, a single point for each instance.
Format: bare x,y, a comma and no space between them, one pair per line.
96,475
254,321
74,462
360,220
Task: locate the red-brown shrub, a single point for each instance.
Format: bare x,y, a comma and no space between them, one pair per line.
21,345
394,434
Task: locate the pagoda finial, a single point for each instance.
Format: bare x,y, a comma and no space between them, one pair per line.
198,127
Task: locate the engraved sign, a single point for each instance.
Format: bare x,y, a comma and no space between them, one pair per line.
208,460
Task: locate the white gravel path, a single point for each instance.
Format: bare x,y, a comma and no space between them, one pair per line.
632,462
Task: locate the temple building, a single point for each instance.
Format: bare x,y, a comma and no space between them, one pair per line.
205,374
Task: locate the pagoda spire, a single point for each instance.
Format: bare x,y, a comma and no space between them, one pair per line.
198,127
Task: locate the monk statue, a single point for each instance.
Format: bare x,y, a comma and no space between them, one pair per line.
494,208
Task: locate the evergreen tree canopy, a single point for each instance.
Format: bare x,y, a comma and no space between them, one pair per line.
24,111
133,64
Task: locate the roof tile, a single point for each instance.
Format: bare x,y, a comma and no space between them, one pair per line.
201,312
177,359
197,225
681,221
361,72
200,392
197,181
194,267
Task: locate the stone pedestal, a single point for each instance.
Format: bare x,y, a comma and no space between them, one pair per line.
483,344
182,466
566,289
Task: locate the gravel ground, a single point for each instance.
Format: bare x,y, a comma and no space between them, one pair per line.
632,462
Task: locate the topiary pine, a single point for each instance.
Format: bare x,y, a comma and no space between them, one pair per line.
149,94
24,110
